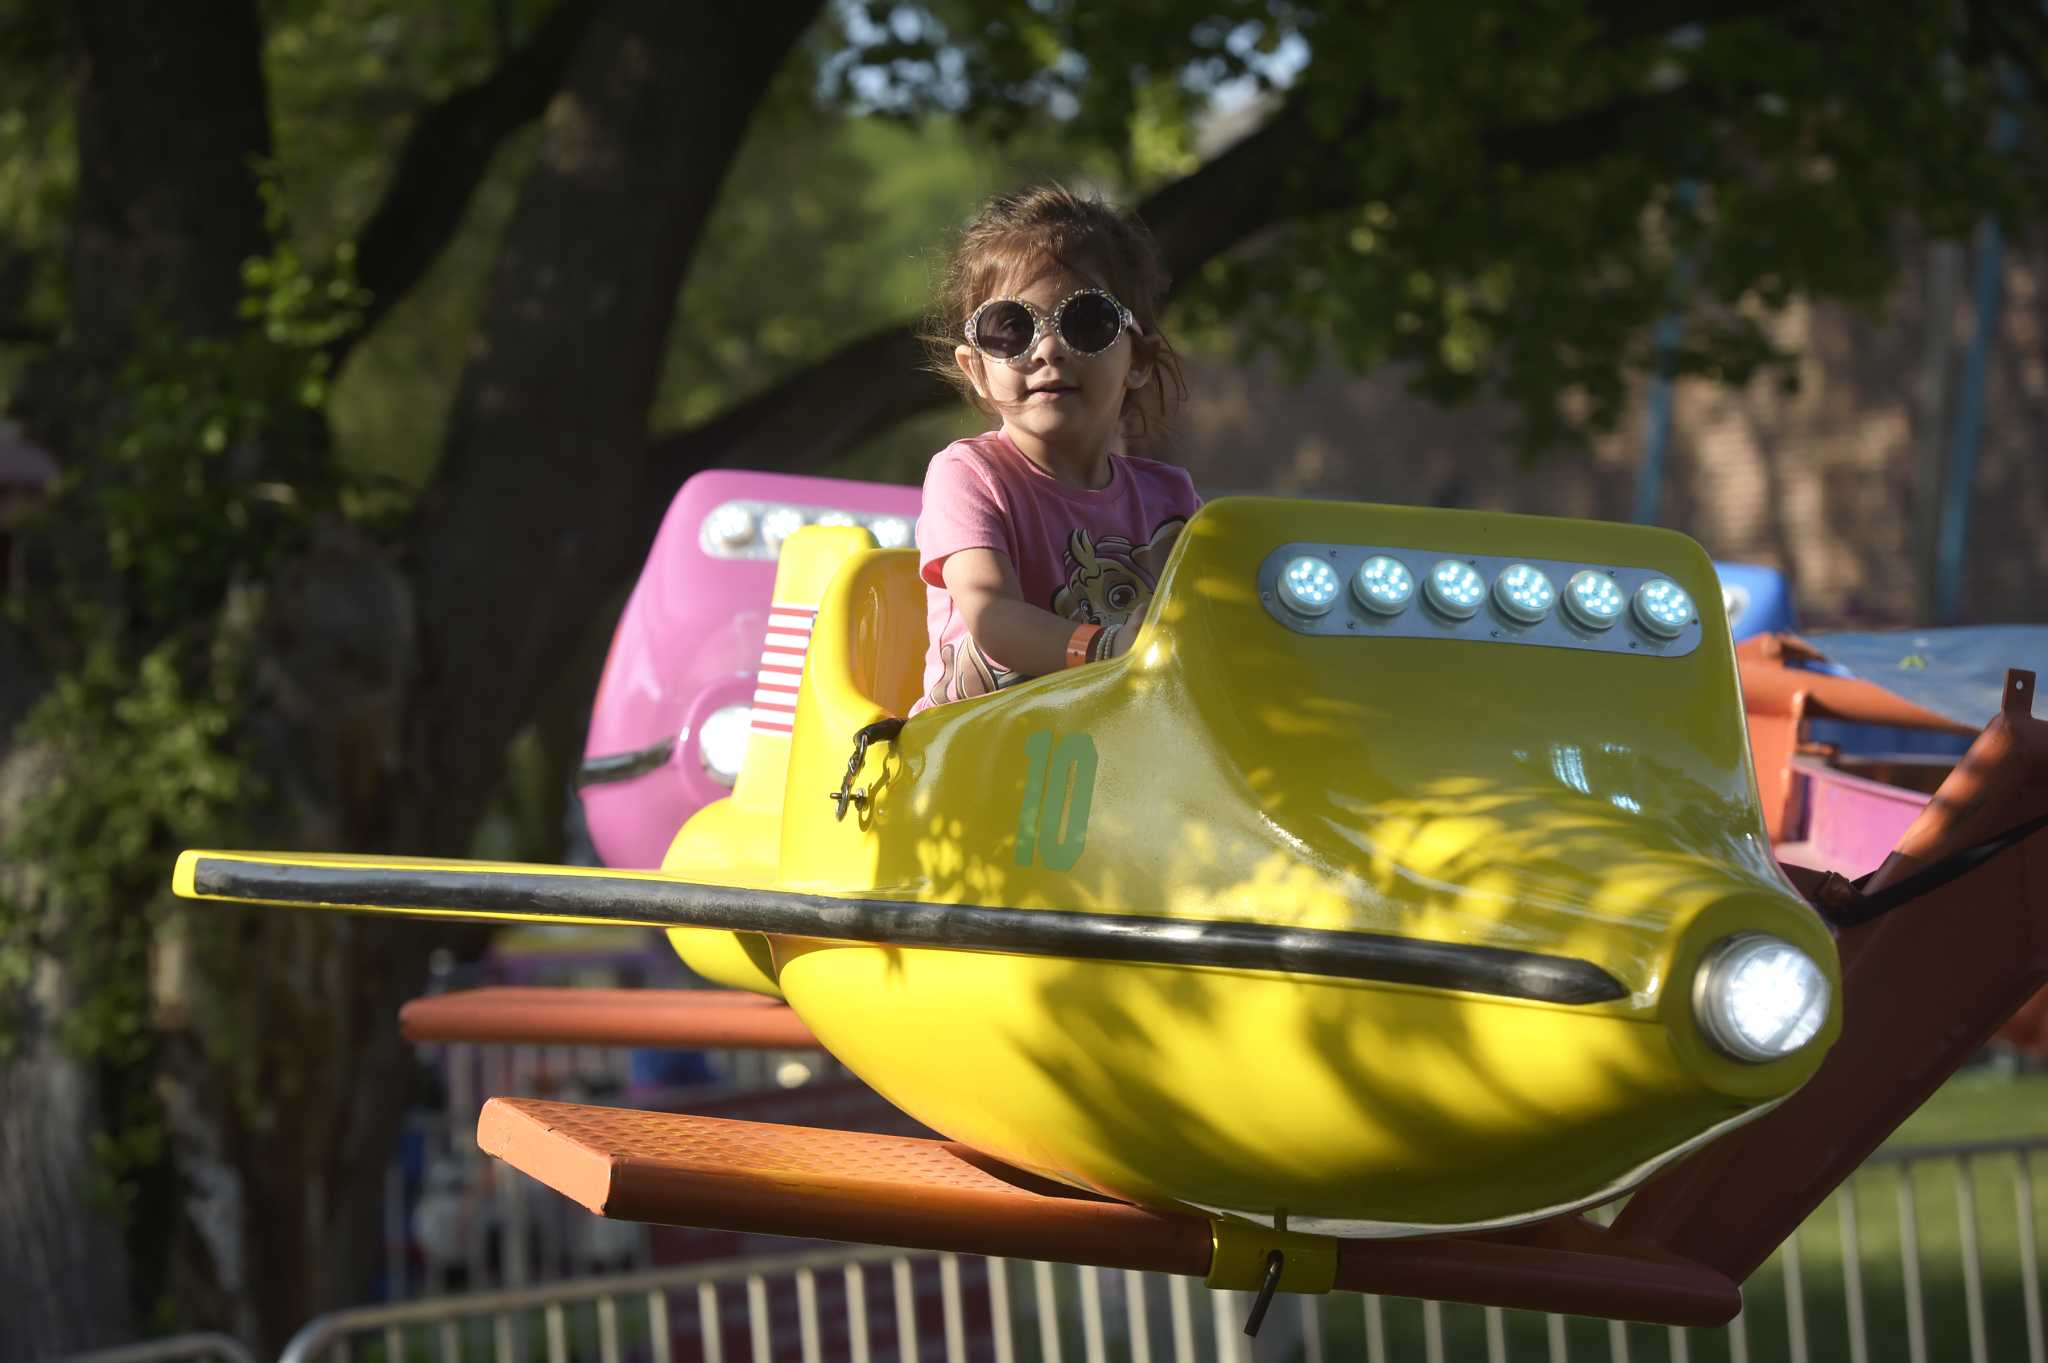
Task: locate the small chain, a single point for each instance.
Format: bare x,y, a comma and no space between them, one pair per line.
882,730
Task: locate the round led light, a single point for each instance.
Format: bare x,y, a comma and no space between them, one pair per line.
731,525
1383,585
722,742
779,524
1662,608
1455,588
1759,999
1309,585
835,518
891,532
1591,599
1523,594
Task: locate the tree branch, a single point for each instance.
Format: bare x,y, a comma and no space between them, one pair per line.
873,383
445,157
1283,172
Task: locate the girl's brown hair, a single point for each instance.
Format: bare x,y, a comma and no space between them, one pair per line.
1018,237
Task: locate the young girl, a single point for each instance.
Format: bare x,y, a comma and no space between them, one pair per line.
1039,541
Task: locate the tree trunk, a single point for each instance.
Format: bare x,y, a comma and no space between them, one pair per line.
380,710
533,520
173,118
62,1259
171,115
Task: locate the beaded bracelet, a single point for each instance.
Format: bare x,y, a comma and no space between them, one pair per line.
1100,648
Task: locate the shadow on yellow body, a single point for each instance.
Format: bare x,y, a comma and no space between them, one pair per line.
1473,786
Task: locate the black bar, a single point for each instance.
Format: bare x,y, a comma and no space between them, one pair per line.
624,766
1135,938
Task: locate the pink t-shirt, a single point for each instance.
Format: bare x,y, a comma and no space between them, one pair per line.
1086,555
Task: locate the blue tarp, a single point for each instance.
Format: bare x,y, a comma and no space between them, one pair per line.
1958,673
1757,598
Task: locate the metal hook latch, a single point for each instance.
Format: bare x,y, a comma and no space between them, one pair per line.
1250,1258
1276,1263
883,731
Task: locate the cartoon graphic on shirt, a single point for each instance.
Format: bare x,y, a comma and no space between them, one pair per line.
964,670
1111,582
1107,582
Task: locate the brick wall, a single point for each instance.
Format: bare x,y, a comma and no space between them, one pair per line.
1824,482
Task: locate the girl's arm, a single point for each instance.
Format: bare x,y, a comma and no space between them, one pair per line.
1010,629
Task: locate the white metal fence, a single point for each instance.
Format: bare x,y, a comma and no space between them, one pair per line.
193,1348
1926,1255
471,1223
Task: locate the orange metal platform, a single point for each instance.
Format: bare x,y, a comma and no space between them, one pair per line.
676,1169
685,1019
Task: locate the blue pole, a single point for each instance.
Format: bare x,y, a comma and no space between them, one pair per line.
1657,438
1960,482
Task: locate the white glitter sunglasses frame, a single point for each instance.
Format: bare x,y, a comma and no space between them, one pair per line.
1041,322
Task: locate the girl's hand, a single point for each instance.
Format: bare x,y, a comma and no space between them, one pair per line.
1129,631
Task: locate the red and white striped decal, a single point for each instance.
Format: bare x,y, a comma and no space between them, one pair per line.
782,668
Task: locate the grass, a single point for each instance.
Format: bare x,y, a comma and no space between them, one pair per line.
1982,1104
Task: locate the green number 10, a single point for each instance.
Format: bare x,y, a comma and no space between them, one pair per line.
1059,783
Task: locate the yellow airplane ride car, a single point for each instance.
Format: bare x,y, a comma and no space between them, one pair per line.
1408,874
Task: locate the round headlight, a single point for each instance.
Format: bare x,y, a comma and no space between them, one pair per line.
1308,585
1455,588
1758,998
779,524
1523,593
1662,608
722,742
1592,599
1383,585
731,525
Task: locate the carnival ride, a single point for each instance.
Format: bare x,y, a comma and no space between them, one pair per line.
1405,891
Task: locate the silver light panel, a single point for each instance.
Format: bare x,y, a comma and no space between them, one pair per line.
1489,625
720,521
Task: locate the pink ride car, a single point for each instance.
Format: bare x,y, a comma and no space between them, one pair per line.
691,670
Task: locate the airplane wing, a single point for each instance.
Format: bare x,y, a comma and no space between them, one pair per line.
685,1019
429,887
423,887
678,1169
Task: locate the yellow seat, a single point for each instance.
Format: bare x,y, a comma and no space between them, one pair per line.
869,639
865,662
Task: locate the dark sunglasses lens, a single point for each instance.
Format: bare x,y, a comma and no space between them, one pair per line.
1003,330
1090,323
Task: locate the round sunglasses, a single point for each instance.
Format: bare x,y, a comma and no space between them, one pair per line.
1088,322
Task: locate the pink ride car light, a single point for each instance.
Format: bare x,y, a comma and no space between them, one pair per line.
696,662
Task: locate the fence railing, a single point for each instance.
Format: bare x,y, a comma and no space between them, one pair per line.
1927,1254
193,1348
471,1224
